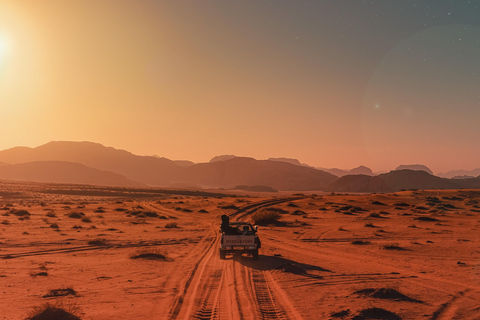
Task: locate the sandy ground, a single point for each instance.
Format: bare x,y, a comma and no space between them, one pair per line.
407,255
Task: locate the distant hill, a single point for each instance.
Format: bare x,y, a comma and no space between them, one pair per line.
459,173
399,180
463,177
251,172
361,170
156,171
222,158
93,163
147,169
418,167
341,172
183,163
63,172
290,160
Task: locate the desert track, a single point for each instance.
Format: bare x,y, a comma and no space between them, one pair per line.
228,289
329,256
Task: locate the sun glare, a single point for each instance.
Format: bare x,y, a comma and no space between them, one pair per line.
3,49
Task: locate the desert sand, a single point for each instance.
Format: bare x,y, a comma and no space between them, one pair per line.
103,253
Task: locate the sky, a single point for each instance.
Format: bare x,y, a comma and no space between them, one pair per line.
333,83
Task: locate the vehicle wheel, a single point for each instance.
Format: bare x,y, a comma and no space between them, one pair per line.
222,254
255,254
259,244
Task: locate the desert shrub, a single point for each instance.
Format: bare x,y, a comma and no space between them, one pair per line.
51,214
5,222
57,311
149,254
61,293
432,199
392,246
75,215
265,217
375,215
86,220
150,214
298,213
97,242
360,242
230,206
203,211
171,225
428,219
401,204
369,225
99,211
277,210
54,225
120,209
186,210
20,213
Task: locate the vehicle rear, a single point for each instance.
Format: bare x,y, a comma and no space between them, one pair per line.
244,241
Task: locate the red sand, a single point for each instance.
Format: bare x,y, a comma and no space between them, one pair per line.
325,263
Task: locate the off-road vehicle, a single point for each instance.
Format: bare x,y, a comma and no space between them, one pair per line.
238,238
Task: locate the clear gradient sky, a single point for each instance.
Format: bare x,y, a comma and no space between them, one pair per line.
333,83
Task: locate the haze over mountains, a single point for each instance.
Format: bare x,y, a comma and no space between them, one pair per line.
93,163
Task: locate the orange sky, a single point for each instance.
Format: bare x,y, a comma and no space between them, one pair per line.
324,83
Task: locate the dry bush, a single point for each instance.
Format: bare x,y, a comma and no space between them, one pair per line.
149,254
59,310
171,225
265,217
51,214
98,242
150,214
392,246
86,220
76,215
20,213
60,293
360,242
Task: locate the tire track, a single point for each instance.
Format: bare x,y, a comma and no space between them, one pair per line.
251,208
183,304
224,289
266,305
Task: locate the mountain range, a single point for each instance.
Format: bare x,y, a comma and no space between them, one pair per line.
93,163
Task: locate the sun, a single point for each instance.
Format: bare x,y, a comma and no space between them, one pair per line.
3,48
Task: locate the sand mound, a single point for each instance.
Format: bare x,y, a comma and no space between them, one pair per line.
385,293
376,313
51,313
